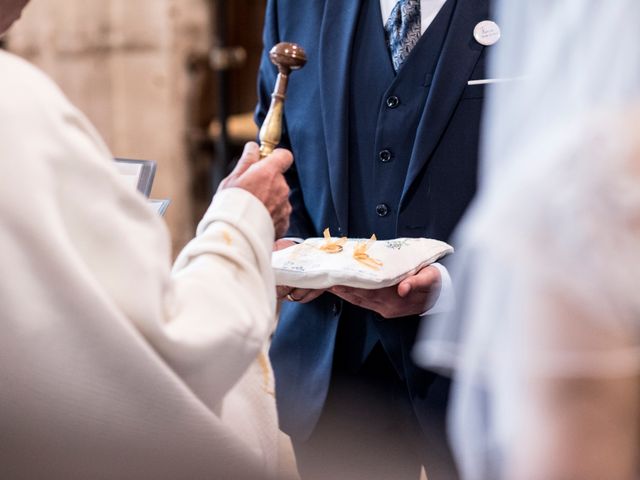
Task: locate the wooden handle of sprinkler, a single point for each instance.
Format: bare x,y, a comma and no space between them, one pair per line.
287,57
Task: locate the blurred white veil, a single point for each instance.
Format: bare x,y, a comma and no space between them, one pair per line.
547,269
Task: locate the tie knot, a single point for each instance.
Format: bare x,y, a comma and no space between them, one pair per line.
403,30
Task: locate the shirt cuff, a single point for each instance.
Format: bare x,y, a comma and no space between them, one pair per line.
446,299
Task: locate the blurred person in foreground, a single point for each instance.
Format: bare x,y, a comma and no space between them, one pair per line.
546,345
113,364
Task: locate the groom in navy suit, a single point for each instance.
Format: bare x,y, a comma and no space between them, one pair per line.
384,128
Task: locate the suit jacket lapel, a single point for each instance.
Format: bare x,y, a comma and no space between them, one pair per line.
337,32
459,56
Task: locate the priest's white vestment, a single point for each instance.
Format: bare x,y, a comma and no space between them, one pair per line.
113,364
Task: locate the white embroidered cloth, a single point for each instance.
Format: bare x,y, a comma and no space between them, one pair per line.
307,266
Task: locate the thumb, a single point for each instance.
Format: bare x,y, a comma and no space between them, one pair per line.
250,155
424,281
404,288
281,158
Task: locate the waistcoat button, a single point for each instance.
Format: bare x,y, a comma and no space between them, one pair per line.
385,156
393,101
382,210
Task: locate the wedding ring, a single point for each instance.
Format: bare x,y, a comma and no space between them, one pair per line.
291,298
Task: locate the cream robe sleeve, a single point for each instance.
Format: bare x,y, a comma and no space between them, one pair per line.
112,365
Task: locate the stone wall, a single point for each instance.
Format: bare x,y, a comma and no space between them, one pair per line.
123,62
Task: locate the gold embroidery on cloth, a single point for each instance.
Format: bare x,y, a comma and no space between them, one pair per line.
263,361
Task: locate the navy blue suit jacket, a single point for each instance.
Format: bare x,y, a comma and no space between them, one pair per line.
439,184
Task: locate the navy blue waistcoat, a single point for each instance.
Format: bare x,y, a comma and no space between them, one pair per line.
384,113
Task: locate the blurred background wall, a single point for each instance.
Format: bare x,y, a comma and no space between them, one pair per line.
154,76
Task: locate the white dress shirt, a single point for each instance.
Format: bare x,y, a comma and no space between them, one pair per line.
428,10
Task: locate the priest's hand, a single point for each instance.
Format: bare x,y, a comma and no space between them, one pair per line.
265,180
413,296
290,294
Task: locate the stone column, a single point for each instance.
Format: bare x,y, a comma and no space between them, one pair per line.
123,63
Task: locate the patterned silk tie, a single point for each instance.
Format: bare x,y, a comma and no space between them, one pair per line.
402,30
